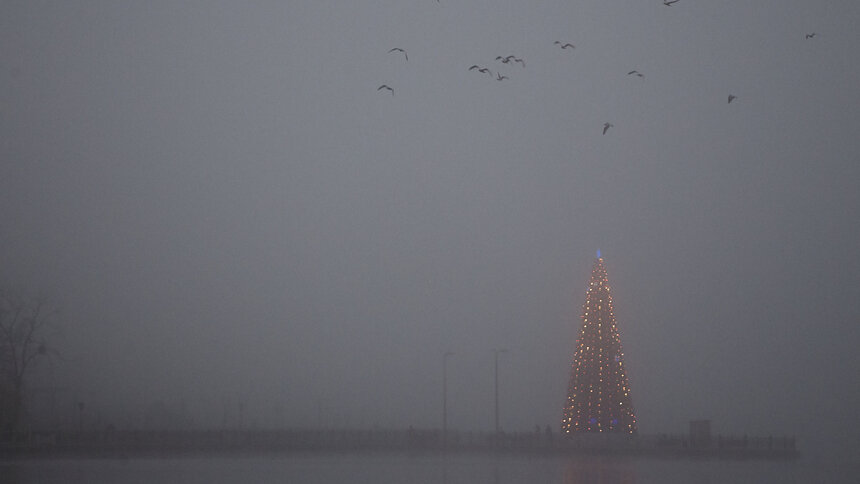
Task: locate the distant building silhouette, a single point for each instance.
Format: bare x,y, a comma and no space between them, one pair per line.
598,397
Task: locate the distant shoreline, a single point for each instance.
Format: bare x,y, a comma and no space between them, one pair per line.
188,443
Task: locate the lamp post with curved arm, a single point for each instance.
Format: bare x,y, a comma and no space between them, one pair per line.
445,397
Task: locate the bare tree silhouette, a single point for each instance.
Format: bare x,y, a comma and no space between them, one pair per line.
23,324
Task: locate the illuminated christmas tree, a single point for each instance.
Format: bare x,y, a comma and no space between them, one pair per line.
598,396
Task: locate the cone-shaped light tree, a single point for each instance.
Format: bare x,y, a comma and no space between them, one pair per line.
598,396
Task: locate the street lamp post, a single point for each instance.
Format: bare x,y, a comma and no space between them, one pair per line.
80,417
496,365
445,397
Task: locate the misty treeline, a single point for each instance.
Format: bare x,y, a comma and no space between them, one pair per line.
24,325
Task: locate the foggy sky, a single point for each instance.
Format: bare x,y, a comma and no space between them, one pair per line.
226,209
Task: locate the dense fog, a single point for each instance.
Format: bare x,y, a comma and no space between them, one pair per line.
239,228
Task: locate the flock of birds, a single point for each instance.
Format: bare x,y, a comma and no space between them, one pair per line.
512,58
483,70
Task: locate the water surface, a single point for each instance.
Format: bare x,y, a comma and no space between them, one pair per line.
397,468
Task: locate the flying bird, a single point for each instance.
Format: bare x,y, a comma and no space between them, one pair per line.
501,77
385,86
732,97
564,46
809,36
606,127
520,61
669,3
476,66
486,71
398,49
637,73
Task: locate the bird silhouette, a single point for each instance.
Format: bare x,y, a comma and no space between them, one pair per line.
606,127
398,49
809,36
637,73
520,61
501,77
732,97
476,66
385,86
669,3
564,46
486,71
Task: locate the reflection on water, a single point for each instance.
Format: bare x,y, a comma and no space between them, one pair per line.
561,470
599,470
